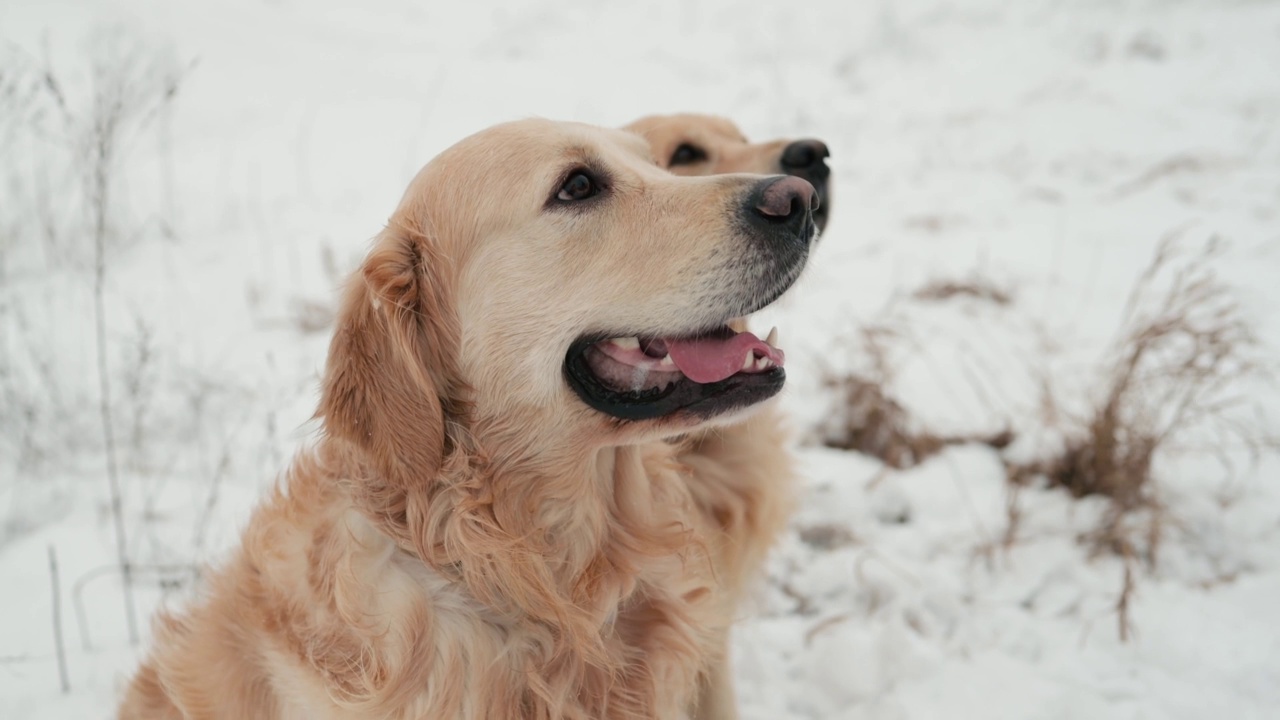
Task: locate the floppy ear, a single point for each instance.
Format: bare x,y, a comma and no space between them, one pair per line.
391,373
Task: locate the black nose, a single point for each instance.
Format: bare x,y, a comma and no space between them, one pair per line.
805,155
784,201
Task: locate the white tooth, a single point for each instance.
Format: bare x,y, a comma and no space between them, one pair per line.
666,361
762,363
772,340
630,343
747,361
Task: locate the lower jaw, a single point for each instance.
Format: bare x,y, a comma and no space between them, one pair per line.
699,401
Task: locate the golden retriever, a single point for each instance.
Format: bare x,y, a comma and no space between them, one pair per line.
493,523
693,144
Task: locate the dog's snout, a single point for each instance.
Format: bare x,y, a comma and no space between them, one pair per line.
805,155
785,200
807,159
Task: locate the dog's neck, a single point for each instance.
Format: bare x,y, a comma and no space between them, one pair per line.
533,526
563,544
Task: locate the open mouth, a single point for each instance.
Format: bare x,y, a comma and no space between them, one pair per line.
640,378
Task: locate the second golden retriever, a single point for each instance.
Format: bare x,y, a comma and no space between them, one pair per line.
746,467
492,524
693,144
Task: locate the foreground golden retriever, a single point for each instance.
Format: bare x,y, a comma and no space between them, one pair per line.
493,524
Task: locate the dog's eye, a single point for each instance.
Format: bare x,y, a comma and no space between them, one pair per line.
687,154
579,186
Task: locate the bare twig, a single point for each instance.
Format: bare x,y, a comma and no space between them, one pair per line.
59,646
103,139
127,95
1123,617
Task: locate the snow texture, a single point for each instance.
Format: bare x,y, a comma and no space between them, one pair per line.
1048,146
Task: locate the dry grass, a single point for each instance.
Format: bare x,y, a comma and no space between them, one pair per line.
1175,380
66,140
976,287
1184,350
1181,354
867,418
874,424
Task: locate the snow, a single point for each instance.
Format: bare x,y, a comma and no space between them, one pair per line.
1049,146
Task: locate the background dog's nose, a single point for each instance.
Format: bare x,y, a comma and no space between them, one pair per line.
785,198
804,154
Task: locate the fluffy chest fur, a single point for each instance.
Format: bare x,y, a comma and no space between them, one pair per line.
349,622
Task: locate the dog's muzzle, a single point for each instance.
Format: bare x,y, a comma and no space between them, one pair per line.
806,159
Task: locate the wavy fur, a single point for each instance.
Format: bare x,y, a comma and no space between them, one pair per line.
441,553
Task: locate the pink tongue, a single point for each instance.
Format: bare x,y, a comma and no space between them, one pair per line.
708,360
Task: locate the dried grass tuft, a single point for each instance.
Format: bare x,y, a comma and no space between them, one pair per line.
975,287
1184,352
867,419
1180,355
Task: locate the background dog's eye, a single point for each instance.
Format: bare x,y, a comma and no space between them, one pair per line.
579,186
687,154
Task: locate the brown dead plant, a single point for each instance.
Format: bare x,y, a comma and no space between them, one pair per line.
1174,373
1172,370
867,418
976,287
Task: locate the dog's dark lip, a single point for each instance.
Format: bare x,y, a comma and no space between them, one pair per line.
811,234
824,202
821,184
820,219
699,400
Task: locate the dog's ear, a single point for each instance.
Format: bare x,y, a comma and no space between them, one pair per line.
391,375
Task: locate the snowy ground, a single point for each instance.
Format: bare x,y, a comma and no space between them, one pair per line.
1047,145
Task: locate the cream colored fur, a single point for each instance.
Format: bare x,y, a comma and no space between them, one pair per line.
468,539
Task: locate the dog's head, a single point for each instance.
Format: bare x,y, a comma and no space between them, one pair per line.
691,144
543,277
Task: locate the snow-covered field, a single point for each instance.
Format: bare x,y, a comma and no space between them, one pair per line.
1046,145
